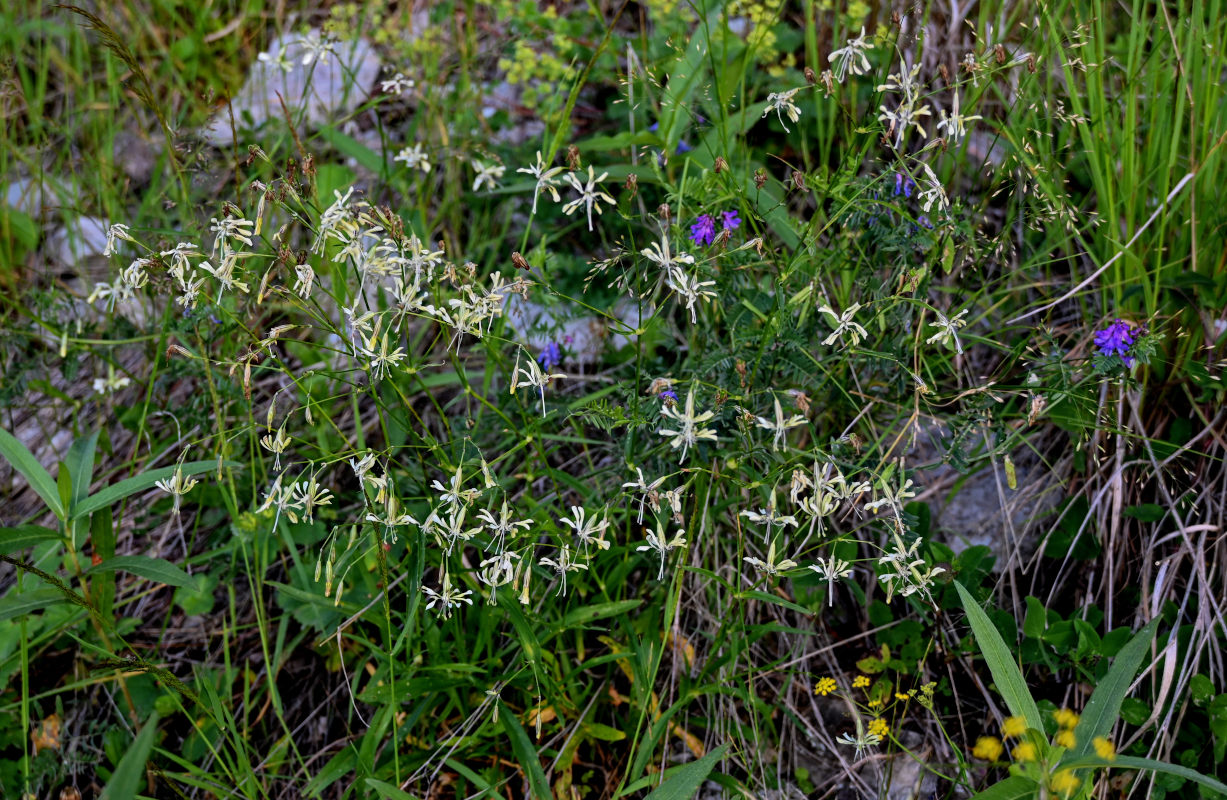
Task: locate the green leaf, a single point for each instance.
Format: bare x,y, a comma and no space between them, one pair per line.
1133,762
683,782
1011,788
767,597
586,614
196,597
39,479
139,483
1103,709
158,570
389,792
80,463
526,754
1200,686
1036,621
14,605
1006,674
129,774
13,540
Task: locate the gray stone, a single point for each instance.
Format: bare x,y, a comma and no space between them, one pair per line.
328,87
79,242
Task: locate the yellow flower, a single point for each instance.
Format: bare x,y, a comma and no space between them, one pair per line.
1064,739
876,703
878,727
903,696
988,748
1104,749
1064,782
860,682
1066,718
1013,727
1026,752
825,686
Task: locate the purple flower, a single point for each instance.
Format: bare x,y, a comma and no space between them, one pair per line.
1116,339
551,356
668,394
731,221
903,185
703,231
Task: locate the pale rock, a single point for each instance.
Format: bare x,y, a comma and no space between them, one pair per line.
331,86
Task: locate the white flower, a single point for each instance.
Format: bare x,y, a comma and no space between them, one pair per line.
496,571
111,383
276,445
545,179
690,290
660,543
947,329
955,126
316,48
649,491
177,485
932,191
414,158
486,175
397,85
228,228
588,531
533,376
908,577
453,494
844,324
447,598
770,567
781,103
830,571
688,432
862,742
851,57
662,255
769,516
564,564
116,231
278,59
589,195
503,525
780,425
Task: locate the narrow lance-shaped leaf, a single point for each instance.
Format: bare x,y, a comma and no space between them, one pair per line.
1006,674
1103,708
25,463
139,483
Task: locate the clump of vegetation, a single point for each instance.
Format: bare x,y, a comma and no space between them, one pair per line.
582,416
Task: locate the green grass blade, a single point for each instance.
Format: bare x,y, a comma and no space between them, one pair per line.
158,570
139,483
80,463
1103,708
1134,762
387,791
129,774
1012,788
14,605
13,540
16,453
1006,674
684,782
525,753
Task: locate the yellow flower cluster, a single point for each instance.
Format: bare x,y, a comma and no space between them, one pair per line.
824,686
988,748
879,727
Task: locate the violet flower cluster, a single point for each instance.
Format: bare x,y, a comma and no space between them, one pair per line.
703,231
1117,339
